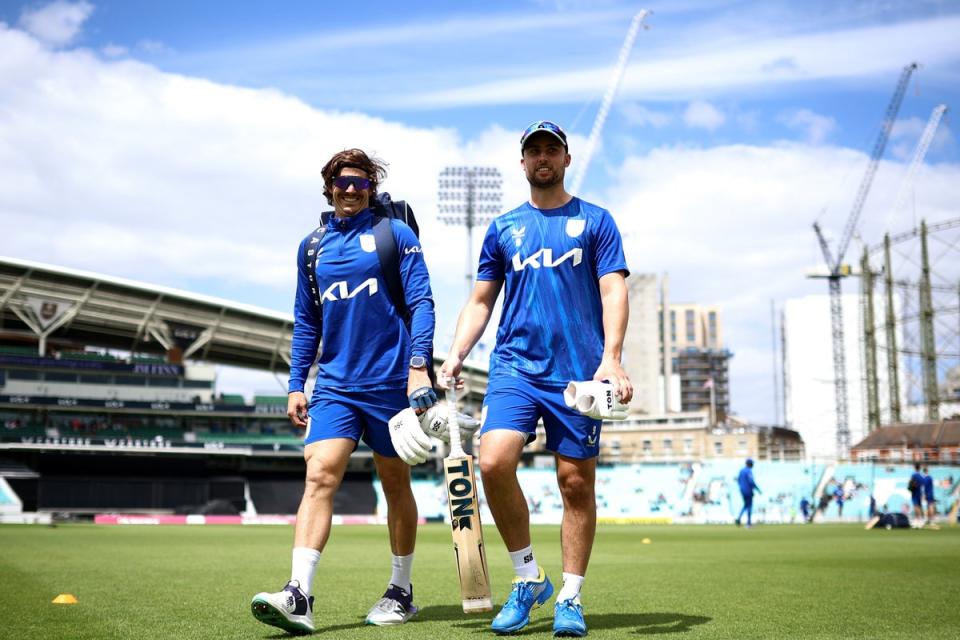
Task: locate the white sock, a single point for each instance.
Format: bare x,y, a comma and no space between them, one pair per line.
305,562
524,564
571,587
402,567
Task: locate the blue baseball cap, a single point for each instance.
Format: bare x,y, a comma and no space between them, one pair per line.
544,126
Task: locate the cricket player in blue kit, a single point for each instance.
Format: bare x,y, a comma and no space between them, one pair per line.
560,261
928,496
747,487
370,368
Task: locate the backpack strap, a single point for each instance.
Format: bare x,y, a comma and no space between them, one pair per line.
389,257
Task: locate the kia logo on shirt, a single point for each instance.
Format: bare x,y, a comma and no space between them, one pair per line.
544,258
341,290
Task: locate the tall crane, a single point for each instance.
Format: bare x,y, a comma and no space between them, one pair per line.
918,155
608,97
837,270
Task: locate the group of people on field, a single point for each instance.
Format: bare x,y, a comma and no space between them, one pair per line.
920,487
560,264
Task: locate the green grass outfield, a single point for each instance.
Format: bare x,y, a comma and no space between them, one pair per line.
790,581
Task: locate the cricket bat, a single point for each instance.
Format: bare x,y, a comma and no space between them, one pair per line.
461,481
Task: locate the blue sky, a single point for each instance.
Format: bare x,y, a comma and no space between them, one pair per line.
180,142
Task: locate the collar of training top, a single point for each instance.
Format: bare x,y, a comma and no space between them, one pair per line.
352,222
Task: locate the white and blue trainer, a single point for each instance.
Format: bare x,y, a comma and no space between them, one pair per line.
289,609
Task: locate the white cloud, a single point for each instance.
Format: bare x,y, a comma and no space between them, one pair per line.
815,127
638,115
703,115
57,23
153,47
114,51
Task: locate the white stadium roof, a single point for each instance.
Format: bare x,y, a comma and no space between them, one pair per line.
70,307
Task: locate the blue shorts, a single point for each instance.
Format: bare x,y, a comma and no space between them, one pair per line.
916,498
358,415
517,404
747,500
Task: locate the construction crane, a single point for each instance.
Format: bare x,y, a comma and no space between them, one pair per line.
918,155
837,270
608,97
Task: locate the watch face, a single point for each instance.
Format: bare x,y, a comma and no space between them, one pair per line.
418,362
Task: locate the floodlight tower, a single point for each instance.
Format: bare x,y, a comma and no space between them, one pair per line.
468,196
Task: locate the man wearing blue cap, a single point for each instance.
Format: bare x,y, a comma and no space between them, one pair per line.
747,487
560,262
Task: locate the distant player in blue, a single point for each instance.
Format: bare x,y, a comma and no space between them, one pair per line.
839,496
805,508
371,367
560,262
747,487
928,496
915,486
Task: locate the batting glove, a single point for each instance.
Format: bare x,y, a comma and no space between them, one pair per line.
434,423
595,400
411,443
423,398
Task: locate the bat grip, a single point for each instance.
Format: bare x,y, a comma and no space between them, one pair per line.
453,423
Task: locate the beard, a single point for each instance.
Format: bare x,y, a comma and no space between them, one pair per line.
545,182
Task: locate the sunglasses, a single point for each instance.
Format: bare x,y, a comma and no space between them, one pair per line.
344,182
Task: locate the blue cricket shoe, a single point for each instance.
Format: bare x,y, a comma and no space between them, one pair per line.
568,619
527,594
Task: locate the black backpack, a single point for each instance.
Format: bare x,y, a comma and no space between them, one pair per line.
892,521
384,209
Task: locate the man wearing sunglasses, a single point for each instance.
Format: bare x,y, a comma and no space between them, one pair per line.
561,263
371,367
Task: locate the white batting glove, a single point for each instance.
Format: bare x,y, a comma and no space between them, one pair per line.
408,437
595,400
434,423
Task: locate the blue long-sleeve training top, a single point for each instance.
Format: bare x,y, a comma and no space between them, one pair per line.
366,344
745,480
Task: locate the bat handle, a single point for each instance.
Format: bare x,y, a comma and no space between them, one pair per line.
453,423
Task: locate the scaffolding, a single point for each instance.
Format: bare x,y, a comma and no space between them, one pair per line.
910,316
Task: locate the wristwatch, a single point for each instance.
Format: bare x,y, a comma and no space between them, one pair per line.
418,362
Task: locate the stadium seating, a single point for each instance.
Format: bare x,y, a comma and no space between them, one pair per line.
87,356
248,438
18,351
